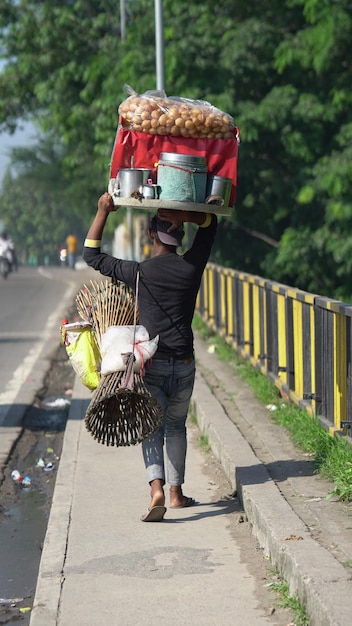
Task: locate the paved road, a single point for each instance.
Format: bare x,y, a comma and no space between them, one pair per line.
33,301
30,301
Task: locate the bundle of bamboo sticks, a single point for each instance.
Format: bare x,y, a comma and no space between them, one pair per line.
106,303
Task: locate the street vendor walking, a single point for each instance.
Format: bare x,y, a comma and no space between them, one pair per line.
168,287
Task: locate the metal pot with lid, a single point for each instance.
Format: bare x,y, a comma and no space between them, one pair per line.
131,179
186,159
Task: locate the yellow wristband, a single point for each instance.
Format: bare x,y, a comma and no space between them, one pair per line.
207,221
92,243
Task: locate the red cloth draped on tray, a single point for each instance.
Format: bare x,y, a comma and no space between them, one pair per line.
137,149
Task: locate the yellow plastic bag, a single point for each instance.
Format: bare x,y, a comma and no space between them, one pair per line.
83,352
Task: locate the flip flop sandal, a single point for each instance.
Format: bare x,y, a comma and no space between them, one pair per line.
155,514
188,502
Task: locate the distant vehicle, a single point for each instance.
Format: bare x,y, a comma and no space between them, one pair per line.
80,264
63,256
7,255
4,266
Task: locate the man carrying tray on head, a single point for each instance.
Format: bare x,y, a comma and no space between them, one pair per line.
168,287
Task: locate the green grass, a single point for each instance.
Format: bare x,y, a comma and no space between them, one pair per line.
332,454
204,444
202,439
281,588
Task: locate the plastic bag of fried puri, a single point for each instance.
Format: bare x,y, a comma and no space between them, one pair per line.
156,114
152,123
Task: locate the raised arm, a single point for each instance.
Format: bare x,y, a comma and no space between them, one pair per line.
178,217
105,206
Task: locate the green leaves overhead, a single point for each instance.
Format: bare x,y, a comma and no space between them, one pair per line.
281,68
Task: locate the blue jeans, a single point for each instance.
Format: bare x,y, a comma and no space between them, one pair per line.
71,259
171,383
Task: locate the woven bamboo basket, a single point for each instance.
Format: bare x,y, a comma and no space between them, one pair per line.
118,416
122,411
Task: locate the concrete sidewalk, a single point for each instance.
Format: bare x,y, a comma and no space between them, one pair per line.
101,565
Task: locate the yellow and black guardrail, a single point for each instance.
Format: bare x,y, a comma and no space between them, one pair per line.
301,341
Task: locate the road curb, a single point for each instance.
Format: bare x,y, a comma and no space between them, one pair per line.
323,585
46,603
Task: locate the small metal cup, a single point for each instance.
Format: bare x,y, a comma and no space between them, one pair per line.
150,191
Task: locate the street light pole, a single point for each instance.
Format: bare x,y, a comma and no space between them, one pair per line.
122,20
159,45
160,75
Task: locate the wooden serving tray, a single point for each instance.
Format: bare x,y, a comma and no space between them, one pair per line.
154,205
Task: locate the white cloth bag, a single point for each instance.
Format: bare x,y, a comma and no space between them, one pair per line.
118,340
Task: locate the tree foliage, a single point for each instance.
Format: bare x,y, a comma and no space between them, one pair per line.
281,68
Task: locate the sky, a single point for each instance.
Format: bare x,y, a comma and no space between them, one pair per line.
22,137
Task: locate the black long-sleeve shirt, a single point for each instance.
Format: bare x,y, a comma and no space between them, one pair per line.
168,287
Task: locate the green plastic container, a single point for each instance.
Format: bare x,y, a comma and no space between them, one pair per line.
182,177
